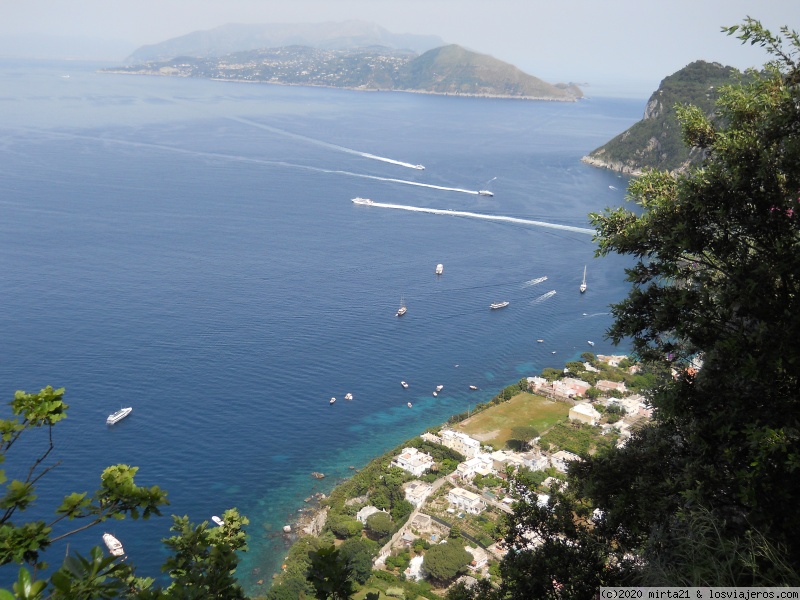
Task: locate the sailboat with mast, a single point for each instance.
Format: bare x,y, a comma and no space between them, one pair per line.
583,283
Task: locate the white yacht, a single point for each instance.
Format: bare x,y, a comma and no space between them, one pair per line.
409,404
485,193
362,201
498,305
590,342
113,544
583,283
217,520
404,384
439,269
402,310
332,400
473,387
348,396
439,388
419,167
116,417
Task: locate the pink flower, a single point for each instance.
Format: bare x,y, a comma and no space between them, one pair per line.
789,212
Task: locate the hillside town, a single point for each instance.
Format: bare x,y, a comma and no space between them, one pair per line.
462,503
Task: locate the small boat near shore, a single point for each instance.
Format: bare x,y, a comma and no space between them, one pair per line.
217,520
116,417
590,342
113,544
485,193
439,269
402,310
435,394
348,396
473,387
439,388
366,201
540,341
583,283
409,405
496,305
332,400
404,384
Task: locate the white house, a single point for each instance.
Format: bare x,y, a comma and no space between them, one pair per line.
460,442
413,461
561,459
466,500
585,413
366,512
479,465
417,491
535,460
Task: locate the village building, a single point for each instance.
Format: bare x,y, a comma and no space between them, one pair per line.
413,461
366,512
535,460
584,413
502,459
611,360
606,386
467,501
417,491
460,442
430,437
569,387
479,558
561,459
479,465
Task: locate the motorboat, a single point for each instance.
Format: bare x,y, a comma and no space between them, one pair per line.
217,520
113,544
496,305
332,400
419,167
439,388
590,342
402,310
348,396
473,387
583,283
439,269
366,201
116,417
435,394
408,404
485,193
404,384
540,341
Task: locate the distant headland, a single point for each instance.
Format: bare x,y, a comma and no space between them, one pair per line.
350,55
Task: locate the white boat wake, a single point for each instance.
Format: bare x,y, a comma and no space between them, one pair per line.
471,215
544,297
316,142
534,281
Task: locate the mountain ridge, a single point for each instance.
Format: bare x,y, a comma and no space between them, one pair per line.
656,142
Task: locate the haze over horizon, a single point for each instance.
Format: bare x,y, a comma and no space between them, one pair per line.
615,43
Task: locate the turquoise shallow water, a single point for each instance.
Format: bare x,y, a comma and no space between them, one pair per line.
190,248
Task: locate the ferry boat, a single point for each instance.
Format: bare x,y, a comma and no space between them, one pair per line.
439,269
498,305
113,544
116,417
348,396
366,201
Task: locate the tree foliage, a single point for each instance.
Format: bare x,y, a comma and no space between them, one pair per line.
706,494
202,563
444,562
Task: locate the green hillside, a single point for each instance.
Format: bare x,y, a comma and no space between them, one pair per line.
455,70
656,141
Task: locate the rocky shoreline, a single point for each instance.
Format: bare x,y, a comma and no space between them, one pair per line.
611,166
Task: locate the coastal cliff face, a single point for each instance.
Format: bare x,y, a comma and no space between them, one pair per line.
656,142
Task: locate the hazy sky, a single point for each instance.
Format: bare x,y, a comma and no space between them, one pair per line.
558,40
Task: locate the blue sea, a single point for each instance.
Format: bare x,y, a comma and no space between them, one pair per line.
189,248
